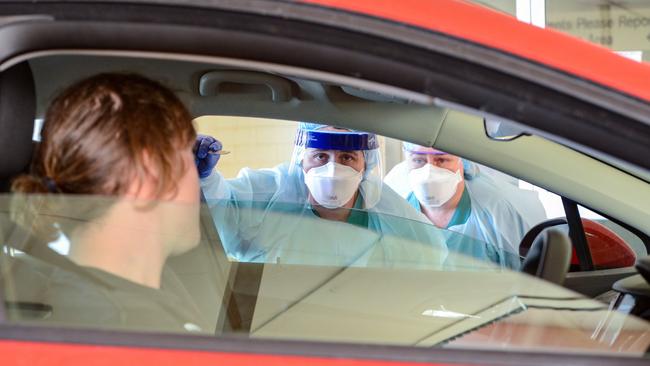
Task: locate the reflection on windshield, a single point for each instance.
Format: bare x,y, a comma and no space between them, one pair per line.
294,234
333,281
337,174
558,329
113,270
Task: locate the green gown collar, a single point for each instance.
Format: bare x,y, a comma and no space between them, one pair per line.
358,216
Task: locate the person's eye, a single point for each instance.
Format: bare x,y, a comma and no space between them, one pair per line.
321,156
347,158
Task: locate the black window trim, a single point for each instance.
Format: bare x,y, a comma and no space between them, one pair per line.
577,235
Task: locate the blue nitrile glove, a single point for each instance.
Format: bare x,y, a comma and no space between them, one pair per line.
205,161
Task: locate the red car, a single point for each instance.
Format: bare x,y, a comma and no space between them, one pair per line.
568,118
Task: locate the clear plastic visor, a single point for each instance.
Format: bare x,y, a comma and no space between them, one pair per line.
359,150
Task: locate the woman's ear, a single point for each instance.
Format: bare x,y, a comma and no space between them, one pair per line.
144,182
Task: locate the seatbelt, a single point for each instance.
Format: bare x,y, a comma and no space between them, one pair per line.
577,234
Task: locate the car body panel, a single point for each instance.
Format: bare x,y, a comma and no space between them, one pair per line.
497,30
508,36
36,353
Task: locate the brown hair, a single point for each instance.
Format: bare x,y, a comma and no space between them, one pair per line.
98,132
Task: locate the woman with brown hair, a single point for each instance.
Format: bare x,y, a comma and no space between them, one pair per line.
116,177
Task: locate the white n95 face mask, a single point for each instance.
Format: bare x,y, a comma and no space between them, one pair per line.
333,184
433,186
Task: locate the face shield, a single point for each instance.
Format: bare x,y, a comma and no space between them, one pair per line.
338,157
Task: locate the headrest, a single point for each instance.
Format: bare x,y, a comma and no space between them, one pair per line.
17,113
533,233
549,256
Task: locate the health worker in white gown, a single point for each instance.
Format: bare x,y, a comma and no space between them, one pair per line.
327,206
492,215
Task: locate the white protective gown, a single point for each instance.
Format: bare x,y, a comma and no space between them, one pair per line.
264,216
499,214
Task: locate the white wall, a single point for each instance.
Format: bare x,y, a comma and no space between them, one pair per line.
252,142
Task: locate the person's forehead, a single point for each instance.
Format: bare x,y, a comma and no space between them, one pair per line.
427,151
333,128
417,149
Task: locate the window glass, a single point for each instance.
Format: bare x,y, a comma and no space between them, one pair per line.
631,240
612,246
471,199
58,269
554,208
305,232
252,142
243,195
498,217
269,265
598,229
47,241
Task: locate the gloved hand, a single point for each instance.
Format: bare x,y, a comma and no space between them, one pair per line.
205,161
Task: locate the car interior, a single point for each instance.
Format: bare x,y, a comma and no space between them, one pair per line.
254,299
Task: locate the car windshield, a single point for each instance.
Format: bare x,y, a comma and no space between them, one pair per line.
325,280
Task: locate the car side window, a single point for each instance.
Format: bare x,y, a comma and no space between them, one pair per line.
279,247
611,244
523,206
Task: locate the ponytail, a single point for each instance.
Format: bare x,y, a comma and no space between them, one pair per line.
28,183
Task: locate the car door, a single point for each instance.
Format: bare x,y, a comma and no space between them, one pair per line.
424,66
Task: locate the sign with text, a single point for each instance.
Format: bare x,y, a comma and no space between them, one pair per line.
610,26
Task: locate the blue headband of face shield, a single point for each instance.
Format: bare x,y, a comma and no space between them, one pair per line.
335,140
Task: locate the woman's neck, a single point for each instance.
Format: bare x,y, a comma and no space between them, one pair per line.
123,243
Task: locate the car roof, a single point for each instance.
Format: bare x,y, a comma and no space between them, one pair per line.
470,22
498,30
